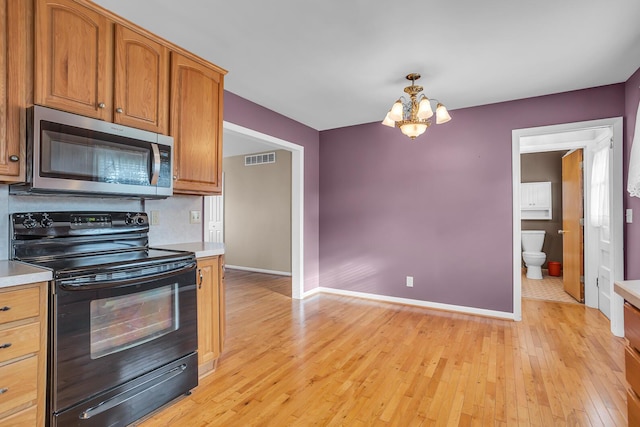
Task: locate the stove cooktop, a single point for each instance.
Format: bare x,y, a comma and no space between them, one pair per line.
87,264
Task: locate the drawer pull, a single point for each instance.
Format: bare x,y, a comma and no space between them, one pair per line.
3,390
5,308
5,345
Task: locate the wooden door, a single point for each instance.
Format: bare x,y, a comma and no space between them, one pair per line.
196,126
15,76
572,214
208,314
141,82
73,60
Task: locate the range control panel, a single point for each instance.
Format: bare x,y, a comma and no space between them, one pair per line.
73,223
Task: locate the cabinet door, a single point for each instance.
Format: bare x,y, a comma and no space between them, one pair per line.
208,314
223,303
141,82
196,126
73,61
15,54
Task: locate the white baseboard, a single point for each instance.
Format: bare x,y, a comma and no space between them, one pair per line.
258,270
419,303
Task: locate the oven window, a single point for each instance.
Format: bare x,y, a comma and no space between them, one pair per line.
122,322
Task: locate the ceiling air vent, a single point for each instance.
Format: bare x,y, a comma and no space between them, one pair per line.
259,159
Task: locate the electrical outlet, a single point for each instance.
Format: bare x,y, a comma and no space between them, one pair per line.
155,217
629,215
194,217
410,281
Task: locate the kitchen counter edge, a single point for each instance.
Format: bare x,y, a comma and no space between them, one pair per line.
201,249
629,290
15,273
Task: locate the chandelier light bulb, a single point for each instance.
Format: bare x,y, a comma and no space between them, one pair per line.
413,130
388,122
397,110
424,109
442,115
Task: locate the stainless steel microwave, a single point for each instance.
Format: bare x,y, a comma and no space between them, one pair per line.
72,154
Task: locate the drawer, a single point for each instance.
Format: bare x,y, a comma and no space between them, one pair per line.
632,368
20,304
26,418
20,382
633,409
19,341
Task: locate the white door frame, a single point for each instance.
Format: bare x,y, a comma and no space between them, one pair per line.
617,218
297,201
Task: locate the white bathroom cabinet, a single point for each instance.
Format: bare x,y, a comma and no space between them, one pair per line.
535,200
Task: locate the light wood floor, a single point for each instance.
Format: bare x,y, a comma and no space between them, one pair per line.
341,361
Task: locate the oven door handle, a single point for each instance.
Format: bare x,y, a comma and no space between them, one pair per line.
75,284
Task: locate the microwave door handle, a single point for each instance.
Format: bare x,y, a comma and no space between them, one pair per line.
155,164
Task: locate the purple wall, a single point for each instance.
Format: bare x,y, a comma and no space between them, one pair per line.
438,209
632,231
245,113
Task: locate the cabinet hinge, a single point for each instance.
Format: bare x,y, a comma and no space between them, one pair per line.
597,282
581,279
581,165
582,222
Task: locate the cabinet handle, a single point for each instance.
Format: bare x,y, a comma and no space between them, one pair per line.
175,177
200,281
119,110
14,158
562,231
5,308
102,105
3,390
5,345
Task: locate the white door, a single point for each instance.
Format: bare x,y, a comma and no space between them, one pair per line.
600,202
214,217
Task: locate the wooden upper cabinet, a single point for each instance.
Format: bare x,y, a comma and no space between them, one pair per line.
15,56
89,65
73,58
141,83
196,126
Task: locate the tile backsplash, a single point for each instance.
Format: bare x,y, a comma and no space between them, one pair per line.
173,214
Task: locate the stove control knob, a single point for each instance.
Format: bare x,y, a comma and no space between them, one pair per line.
140,220
128,220
46,222
30,223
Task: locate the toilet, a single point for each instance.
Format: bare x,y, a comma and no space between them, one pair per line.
532,254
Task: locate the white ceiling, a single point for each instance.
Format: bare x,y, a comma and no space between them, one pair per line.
335,63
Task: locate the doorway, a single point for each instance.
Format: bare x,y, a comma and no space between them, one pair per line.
297,198
567,137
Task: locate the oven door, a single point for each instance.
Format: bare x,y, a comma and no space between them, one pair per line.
109,330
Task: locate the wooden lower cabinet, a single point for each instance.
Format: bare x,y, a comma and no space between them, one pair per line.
632,362
23,345
210,313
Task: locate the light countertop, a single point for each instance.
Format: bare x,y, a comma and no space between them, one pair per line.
629,290
13,273
201,249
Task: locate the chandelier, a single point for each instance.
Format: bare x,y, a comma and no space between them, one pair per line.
412,115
